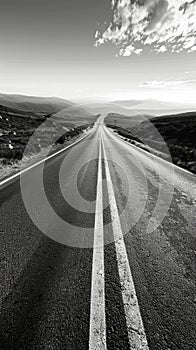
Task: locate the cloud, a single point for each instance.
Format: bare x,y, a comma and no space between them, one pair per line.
96,34
128,50
193,48
166,83
162,48
161,25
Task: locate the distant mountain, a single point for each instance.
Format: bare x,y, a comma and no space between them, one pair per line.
64,112
135,107
34,104
75,115
109,107
154,107
14,111
128,103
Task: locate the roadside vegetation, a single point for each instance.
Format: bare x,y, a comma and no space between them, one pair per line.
16,128
178,132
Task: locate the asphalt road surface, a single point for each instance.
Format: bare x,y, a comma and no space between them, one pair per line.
97,251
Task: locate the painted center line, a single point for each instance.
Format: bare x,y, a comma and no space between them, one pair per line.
135,327
97,336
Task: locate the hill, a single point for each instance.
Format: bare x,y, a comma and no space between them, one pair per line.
74,116
108,108
176,131
154,107
133,108
21,116
178,128
34,104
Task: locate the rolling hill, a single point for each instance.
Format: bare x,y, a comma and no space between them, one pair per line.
22,116
154,107
175,132
75,115
34,104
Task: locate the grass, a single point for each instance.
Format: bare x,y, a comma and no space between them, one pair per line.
18,150
174,132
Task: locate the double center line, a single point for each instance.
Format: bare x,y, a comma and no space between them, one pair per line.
97,338
135,327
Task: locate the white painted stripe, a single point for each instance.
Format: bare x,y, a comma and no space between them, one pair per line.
135,328
97,337
40,162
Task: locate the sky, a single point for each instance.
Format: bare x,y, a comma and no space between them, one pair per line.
118,49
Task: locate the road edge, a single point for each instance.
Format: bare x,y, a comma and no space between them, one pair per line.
18,174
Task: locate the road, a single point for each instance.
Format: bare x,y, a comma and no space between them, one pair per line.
98,251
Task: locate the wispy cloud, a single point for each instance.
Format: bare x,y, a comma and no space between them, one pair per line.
167,83
161,24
